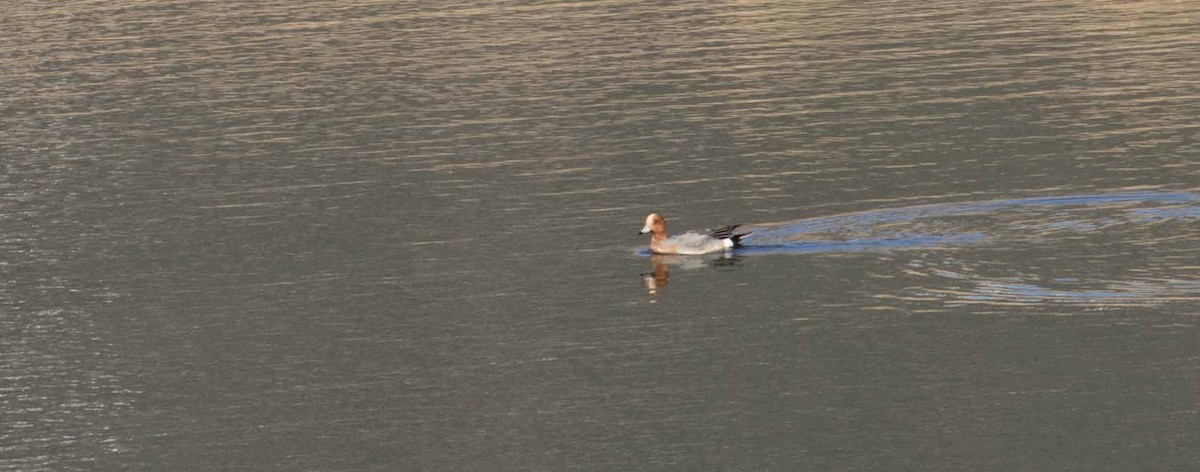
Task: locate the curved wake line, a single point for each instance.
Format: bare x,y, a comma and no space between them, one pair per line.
865,244
935,226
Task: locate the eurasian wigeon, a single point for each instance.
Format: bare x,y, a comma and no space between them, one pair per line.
691,242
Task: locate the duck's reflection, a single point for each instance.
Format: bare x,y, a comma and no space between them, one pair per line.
657,280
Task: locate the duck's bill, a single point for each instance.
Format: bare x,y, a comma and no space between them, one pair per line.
645,229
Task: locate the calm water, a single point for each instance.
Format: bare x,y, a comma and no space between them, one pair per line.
400,236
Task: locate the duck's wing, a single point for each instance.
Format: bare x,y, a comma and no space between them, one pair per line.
734,232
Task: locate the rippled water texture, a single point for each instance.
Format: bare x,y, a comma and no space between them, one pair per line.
366,235
1093,227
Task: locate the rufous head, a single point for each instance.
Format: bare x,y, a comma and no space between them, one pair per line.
655,224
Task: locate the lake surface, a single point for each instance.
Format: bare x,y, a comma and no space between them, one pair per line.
400,236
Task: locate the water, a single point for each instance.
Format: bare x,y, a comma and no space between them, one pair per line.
318,236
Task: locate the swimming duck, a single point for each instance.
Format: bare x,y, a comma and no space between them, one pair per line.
691,242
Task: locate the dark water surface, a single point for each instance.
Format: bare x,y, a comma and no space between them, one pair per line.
399,236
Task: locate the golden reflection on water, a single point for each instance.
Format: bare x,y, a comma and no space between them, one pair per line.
658,279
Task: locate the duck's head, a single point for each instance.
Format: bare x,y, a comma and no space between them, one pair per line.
655,224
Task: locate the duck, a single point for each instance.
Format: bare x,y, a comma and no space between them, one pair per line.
692,242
